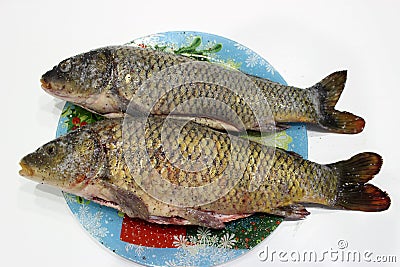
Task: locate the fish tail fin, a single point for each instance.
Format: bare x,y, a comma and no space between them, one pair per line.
353,191
328,91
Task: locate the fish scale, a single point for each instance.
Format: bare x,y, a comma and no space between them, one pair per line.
178,166
166,172
293,104
223,105
115,80
278,171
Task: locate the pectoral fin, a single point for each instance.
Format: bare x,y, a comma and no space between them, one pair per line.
127,201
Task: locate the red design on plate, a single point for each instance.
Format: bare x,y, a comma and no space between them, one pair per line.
139,232
76,121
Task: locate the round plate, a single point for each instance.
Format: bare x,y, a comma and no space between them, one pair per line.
163,245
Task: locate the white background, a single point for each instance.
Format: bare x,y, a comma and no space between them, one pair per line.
303,40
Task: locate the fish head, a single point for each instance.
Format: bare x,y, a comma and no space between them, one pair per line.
80,77
69,162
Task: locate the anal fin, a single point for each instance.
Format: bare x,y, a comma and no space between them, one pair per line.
203,218
293,211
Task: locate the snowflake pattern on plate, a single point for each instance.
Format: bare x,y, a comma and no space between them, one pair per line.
254,59
191,250
92,222
191,245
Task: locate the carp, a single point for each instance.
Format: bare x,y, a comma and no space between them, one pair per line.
194,175
106,81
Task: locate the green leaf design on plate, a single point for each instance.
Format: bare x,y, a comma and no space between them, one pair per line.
191,50
76,199
231,63
78,117
81,200
279,139
239,234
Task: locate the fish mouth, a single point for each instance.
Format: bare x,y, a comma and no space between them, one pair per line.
55,90
25,170
45,85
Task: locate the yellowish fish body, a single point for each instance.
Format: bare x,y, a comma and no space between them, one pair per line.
191,174
106,81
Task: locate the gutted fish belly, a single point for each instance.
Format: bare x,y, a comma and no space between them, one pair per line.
108,81
191,174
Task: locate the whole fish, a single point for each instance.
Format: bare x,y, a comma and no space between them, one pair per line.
196,175
107,80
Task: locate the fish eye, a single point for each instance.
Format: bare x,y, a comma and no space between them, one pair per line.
65,66
51,150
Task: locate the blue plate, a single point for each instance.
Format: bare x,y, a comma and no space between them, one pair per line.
160,245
